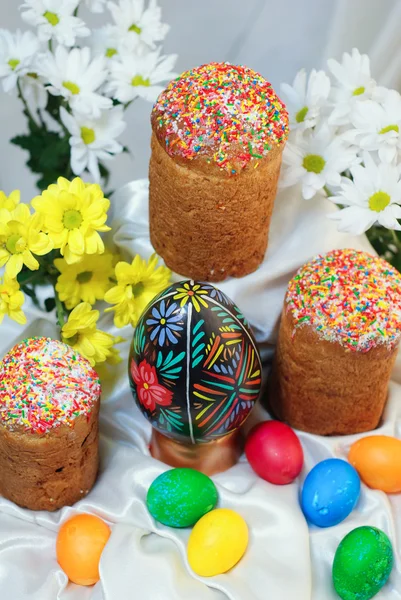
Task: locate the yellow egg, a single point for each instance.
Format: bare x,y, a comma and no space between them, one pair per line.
217,542
377,458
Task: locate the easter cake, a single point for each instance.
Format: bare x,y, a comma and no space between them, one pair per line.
337,344
219,131
49,404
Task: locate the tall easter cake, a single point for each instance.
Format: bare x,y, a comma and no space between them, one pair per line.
49,404
218,135
337,344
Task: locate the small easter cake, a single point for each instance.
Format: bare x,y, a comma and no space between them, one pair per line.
219,132
49,405
337,344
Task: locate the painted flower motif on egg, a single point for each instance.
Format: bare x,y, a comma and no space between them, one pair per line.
194,367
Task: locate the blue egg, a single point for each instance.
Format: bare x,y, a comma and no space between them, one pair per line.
330,493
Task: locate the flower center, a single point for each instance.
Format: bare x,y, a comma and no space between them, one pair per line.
15,244
135,28
71,87
84,277
110,52
139,80
88,135
72,219
13,63
301,114
390,128
162,321
359,91
146,386
379,201
313,163
138,289
52,18
191,293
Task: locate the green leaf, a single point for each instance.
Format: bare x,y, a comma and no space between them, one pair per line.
31,293
49,155
105,173
50,304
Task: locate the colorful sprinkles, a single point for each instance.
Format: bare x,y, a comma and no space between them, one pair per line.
349,297
227,113
43,384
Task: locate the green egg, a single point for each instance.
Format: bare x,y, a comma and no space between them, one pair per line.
180,497
362,563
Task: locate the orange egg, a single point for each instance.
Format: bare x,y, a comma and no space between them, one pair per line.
80,543
377,458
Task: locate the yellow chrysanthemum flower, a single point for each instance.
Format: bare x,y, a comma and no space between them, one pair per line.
11,301
10,202
137,284
81,334
20,239
106,370
73,213
86,281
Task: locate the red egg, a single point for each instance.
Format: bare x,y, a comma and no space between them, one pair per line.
274,452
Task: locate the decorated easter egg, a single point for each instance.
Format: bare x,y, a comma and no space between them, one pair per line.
217,542
274,452
180,497
194,367
330,492
377,458
362,563
80,543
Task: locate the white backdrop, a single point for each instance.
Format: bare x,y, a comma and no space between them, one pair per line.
274,37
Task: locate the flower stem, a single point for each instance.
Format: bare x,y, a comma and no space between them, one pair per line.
24,102
59,310
41,118
397,241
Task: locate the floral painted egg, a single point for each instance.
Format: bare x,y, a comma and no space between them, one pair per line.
194,366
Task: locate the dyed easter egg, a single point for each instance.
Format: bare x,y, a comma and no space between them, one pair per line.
80,543
330,492
180,497
274,452
194,367
377,458
217,542
362,563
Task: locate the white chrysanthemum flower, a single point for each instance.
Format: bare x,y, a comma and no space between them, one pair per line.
55,20
316,159
34,91
306,99
93,139
105,41
136,24
132,76
377,126
354,85
73,75
373,196
17,53
96,6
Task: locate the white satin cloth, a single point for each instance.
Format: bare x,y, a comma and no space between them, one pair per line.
144,560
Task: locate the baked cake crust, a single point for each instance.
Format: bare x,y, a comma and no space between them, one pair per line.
49,405
218,136
337,344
